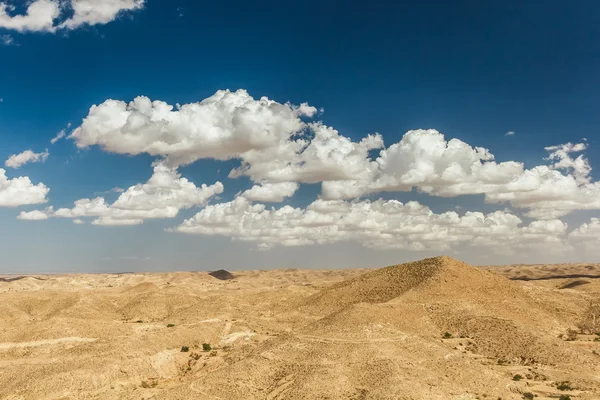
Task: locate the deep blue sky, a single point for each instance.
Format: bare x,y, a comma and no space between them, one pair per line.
470,69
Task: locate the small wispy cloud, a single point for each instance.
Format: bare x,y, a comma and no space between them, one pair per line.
113,190
61,134
510,133
28,156
8,40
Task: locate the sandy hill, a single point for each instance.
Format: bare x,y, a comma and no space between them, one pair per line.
441,295
436,329
385,284
379,335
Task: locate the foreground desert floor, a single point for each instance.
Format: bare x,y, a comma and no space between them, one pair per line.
435,329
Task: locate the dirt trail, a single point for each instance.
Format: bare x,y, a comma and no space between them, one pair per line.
46,342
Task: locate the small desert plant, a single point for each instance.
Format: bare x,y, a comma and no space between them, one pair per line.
139,321
564,397
502,361
517,377
170,325
149,385
564,386
571,335
528,396
206,347
447,335
185,349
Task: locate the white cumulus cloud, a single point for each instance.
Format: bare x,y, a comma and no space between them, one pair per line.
423,159
28,156
98,12
35,215
51,15
276,145
39,16
20,191
381,224
224,126
163,196
579,167
587,236
279,149
271,192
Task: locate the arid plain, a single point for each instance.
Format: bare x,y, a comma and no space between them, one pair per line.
433,329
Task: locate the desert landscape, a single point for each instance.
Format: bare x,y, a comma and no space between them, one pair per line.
432,329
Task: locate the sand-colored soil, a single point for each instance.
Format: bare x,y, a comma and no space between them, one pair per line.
434,329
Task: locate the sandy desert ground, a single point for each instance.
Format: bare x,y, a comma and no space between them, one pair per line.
434,329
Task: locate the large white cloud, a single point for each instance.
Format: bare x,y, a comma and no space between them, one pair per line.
28,156
224,126
279,149
45,15
377,224
275,145
20,191
163,196
327,156
425,160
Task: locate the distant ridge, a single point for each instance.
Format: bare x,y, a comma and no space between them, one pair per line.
222,275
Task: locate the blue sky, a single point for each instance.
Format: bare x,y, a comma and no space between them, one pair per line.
470,70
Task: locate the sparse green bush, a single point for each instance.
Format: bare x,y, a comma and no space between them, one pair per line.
206,347
528,396
447,335
185,349
566,385
517,377
139,321
564,397
170,325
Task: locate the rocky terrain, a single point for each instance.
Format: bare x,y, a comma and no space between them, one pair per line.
432,329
